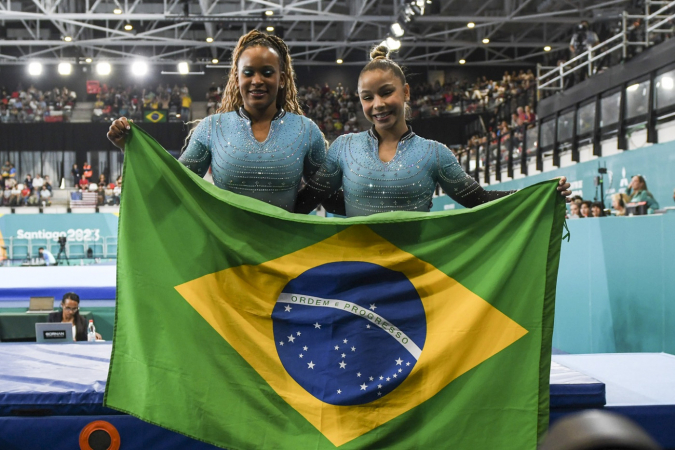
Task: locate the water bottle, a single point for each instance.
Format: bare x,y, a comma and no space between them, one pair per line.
91,331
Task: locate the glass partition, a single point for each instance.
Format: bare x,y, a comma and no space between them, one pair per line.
566,126
609,109
585,118
547,130
637,99
664,91
532,141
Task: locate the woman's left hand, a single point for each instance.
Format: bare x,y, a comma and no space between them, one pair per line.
98,337
563,188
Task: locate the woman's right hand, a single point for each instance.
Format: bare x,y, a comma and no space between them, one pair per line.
117,134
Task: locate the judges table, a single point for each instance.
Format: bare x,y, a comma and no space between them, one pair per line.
20,327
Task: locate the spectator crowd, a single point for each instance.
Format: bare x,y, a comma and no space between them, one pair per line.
132,101
31,191
30,104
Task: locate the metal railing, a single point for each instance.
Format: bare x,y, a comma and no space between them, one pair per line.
552,78
21,249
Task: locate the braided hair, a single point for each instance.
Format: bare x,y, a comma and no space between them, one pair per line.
286,97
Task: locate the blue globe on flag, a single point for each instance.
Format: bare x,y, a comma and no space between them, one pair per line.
349,332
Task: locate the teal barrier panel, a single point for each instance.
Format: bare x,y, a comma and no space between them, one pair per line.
83,231
616,286
656,163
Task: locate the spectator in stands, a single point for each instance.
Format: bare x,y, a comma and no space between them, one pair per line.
597,210
45,196
47,256
117,191
15,195
70,312
77,176
102,180
583,39
6,194
84,183
28,181
25,194
619,205
6,170
33,197
86,171
48,183
186,104
574,210
100,197
38,182
637,191
585,209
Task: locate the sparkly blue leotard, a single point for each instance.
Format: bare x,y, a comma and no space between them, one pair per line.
406,183
270,171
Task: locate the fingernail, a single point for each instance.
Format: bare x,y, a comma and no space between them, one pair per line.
128,127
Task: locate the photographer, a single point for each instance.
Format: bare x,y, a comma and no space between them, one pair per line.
47,256
583,39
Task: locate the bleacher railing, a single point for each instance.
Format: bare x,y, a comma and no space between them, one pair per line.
552,78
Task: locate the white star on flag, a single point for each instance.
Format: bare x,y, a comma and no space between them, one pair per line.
399,361
281,343
388,378
343,364
400,370
408,363
370,378
316,325
305,348
395,375
301,355
379,386
311,365
381,377
368,326
363,387
339,391
358,374
345,341
372,306
353,349
291,338
336,347
298,333
379,393
288,308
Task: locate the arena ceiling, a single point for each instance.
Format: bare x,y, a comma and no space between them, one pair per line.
317,31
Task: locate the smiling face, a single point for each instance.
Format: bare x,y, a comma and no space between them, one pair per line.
574,209
585,210
260,78
383,96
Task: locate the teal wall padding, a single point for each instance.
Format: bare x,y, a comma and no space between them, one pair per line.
616,286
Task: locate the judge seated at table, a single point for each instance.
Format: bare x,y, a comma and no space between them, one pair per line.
70,312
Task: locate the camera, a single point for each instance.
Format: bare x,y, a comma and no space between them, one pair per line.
62,241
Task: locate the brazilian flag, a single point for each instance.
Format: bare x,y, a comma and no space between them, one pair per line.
155,115
248,327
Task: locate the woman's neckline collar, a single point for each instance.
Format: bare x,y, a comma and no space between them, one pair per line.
245,115
407,135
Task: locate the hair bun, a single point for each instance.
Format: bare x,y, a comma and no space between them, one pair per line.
379,52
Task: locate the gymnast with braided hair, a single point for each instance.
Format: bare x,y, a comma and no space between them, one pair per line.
389,167
258,143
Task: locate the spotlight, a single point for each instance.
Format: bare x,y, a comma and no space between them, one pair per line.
214,61
393,44
139,68
667,83
209,39
67,38
486,41
88,60
128,27
269,13
183,67
547,48
339,61
397,29
633,87
470,25
35,68
103,68
65,68
462,61
270,29
117,11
